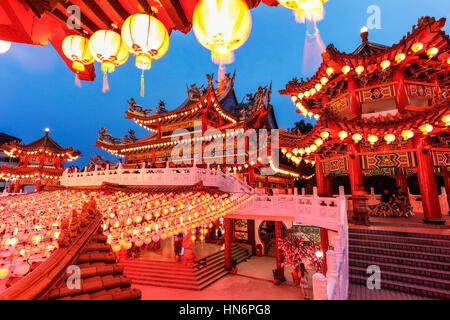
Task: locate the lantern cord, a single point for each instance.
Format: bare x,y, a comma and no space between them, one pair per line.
105,83
77,81
142,83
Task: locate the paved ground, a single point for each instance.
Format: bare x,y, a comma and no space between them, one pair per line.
357,292
231,287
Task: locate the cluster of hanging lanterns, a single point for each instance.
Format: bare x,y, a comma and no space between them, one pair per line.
142,35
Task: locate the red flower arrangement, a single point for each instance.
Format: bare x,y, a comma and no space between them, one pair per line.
300,248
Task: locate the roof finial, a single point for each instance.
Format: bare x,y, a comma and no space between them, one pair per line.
47,130
364,34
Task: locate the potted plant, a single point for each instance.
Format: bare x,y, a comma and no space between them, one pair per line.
276,276
233,266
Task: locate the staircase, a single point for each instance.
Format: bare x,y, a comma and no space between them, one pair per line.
415,263
177,275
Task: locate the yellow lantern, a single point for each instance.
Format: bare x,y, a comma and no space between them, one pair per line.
399,57
324,135
416,47
318,142
407,134
359,70
372,139
389,138
346,69
146,38
107,47
222,27
343,134
324,80
426,128
357,137
329,71
432,52
4,46
305,9
446,120
76,49
385,64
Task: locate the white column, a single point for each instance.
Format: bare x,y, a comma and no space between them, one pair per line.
319,286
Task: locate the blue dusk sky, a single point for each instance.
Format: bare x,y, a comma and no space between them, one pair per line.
37,89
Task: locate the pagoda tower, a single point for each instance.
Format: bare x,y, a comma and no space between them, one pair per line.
41,163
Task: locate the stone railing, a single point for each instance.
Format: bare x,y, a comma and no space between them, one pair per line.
37,283
157,177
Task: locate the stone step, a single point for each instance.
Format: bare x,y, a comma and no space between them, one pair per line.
415,289
401,239
400,253
373,258
405,278
400,234
391,267
400,246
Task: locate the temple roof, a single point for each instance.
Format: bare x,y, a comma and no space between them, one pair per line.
44,141
370,55
7,138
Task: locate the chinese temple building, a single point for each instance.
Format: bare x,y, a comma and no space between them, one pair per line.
206,114
40,163
383,110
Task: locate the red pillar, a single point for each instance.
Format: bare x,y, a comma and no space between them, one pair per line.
324,247
251,176
10,186
355,172
329,186
266,183
401,180
427,182
320,177
278,228
38,185
17,187
353,96
446,177
227,243
158,131
401,92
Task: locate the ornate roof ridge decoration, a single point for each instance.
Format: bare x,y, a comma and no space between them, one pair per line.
256,101
44,141
377,52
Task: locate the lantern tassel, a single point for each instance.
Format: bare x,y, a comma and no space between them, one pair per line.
142,83
77,81
105,83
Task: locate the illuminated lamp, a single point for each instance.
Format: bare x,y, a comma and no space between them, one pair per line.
343,134
329,71
283,150
300,95
146,38
385,64
346,69
319,254
295,151
313,147
399,57
357,137
359,70
76,49
222,27
416,47
301,151
389,138
306,94
107,47
426,128
294,98
4,46
316,116
312,91
308,150
4,272
446,119
21,269
432,52
372,139
318,142
288,155
324,135
324,80
311,10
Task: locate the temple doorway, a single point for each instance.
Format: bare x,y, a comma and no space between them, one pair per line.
266,233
